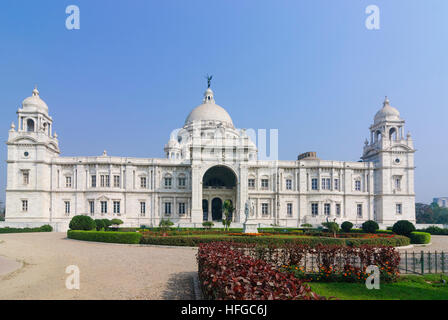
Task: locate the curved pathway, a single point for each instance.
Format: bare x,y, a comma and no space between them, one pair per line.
107,271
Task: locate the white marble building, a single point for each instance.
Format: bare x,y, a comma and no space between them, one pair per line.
207,162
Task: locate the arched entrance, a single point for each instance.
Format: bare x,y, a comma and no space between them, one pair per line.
219,183
216,209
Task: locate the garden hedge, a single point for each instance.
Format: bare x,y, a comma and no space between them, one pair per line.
420,237
105,236
435,231
194,241
44,228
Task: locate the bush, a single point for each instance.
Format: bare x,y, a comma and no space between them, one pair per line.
195,240
227,274
420,237
403,227
306,225
346,226
82,223
436,231
105,236
164,225
207,224
99,224
44,228
370,226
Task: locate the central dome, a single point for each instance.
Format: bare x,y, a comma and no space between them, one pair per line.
209,111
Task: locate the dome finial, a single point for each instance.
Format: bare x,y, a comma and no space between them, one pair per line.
35,91
386,101
209,80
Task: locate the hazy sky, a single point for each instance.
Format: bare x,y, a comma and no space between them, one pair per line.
311,69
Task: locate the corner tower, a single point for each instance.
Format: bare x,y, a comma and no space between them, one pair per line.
30,150
393,156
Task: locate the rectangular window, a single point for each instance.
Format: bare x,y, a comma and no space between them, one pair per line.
265,209
338,209
327,209
181,208
105,181
398,184
168,182
264,183
399,208
143,182
358,185
314,209
314,184
116,181
68,182
103,207
359,210
251,183
288,184
328,183
26,177
67,208
92,207
117,207
289,209
142,208
182,183
93,181
336,184
25,205
167,208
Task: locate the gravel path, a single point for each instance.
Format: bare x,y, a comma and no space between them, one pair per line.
107,271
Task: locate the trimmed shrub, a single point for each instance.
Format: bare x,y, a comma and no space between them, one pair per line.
420,237
107,224
195,240
207,224
44,228
435,230
99,224
105,236
370,226
346,226
306,225
116,222
403,227
227,274
82,222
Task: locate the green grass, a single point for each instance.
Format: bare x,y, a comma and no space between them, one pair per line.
409,287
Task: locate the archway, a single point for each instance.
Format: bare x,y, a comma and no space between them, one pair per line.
216,209
219,183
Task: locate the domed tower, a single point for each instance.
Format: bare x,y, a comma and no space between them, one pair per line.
30,150
393,156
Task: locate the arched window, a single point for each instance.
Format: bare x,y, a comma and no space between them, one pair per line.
393,134
377,135
30,125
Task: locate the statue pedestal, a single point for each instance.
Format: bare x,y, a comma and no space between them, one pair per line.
250,228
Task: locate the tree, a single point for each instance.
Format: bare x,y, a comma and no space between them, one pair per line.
82,223
164,225
332,227
227,210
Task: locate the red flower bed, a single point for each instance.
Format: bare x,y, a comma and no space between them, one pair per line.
226,273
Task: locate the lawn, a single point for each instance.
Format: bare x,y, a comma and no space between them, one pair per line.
409,287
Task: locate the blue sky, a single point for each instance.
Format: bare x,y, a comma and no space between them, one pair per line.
311,69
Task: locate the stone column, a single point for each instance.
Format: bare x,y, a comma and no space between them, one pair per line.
196,194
